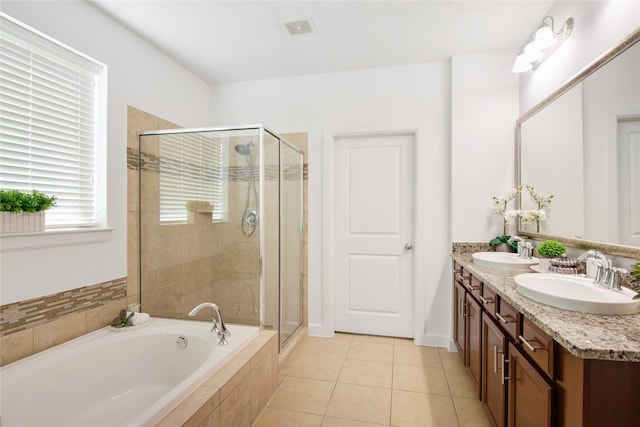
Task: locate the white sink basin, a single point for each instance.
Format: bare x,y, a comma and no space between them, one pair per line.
576,293
503,261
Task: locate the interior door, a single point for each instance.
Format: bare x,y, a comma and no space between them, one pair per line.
374,234
629,181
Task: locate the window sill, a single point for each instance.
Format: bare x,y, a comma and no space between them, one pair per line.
14,242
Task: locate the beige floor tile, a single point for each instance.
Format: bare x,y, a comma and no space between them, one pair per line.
281,418
366,372
339,422
369,350
460,384
314,346
409,409
318,367
302,395
374,338
403,341
342,336
420,379
451,360
360,403
416,355
471,412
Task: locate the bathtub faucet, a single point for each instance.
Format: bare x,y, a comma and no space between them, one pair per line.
219,327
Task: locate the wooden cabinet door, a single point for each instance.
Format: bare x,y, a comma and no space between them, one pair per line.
459,323
530,401
474,341
494,389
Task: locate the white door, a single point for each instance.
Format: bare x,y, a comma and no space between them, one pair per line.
374,234
629,181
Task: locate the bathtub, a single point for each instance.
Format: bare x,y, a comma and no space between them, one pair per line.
107,378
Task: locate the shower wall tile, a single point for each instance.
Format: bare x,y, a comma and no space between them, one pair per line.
184,265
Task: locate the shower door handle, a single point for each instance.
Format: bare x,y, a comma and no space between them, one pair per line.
408,246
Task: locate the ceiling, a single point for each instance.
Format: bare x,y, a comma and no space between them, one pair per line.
230,41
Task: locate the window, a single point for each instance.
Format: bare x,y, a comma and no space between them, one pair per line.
191,171
52,101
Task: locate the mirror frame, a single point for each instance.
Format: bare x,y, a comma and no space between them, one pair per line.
608,248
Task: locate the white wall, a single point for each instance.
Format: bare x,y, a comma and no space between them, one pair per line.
599,25
484,102
414,97
140,76
417,96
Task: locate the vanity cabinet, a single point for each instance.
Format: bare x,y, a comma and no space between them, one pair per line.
494,389
508,358
530,401
524,377
474,341
459,322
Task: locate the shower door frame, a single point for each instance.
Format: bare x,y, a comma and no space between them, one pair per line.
262,268
282,343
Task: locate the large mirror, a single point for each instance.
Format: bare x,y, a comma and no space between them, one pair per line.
582,145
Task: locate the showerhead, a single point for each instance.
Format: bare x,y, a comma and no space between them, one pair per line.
244,149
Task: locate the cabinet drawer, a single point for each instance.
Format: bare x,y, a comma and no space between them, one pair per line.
474,286
460,275
457,269
538,345
489,301
508,317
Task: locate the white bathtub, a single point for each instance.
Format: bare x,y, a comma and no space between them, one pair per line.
106,378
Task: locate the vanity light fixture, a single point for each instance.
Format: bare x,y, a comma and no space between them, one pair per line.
542,42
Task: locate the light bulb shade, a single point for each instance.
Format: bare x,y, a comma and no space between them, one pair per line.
544,37
521,65
532,52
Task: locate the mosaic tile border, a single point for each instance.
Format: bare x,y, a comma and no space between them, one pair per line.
27,314
151,162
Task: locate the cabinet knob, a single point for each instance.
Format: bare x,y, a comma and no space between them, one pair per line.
408,246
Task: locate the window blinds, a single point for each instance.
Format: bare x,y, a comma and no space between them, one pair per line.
190,170
48,115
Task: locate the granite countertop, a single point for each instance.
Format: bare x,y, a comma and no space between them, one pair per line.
585,335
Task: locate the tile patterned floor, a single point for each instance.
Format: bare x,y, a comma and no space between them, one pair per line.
365,381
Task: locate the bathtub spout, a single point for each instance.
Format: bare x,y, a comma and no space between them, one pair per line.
219,328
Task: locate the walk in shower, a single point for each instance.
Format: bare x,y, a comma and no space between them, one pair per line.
221,220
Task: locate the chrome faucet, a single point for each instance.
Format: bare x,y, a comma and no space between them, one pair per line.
525,249
602,271
609,277
219,327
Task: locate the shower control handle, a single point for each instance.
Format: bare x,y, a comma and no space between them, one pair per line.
408,246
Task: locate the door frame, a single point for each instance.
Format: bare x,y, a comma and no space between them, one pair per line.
328,214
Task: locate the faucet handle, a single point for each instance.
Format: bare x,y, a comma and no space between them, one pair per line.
601,273
614,278
215,328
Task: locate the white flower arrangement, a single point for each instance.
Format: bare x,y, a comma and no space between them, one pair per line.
539,214
500,207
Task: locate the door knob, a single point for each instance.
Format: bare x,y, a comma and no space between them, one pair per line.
408,246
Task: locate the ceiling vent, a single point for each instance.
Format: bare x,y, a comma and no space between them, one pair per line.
296,28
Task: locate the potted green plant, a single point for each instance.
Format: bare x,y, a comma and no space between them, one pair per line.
23,212
501,243
547,250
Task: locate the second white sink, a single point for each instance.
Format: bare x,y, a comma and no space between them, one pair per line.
576,293
503,261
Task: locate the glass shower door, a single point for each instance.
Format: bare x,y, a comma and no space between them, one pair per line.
291,240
